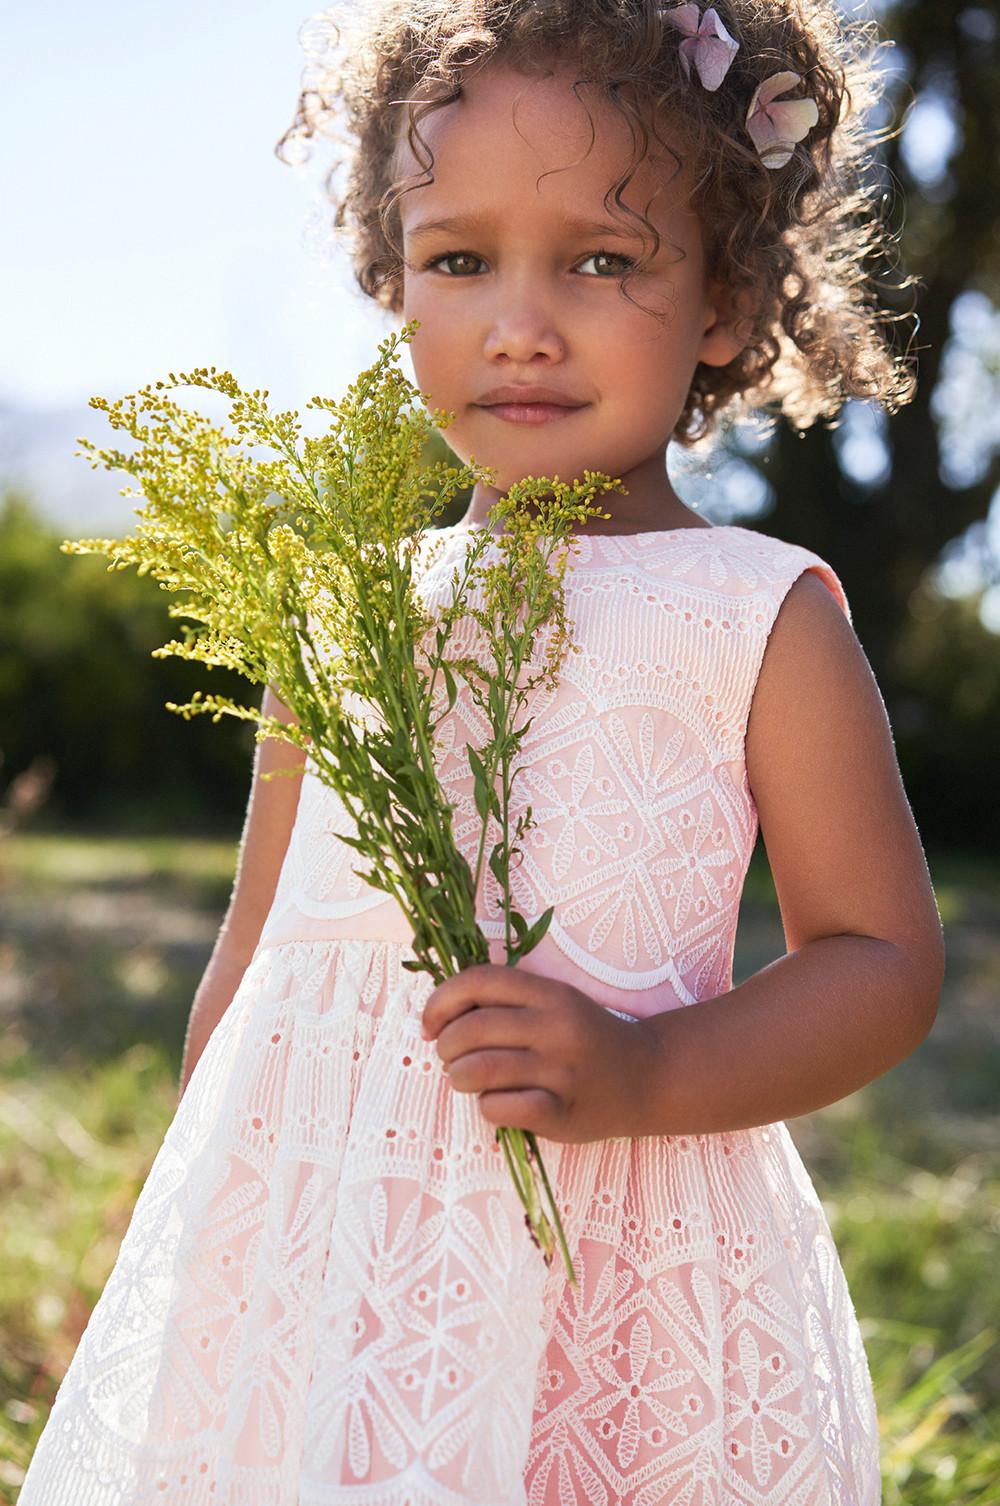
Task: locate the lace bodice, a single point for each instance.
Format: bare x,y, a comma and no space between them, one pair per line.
634,768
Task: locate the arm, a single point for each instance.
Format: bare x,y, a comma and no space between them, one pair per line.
859,987
266,829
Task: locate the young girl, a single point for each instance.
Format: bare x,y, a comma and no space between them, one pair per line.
327,1293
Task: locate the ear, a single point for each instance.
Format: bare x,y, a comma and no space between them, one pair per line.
728,324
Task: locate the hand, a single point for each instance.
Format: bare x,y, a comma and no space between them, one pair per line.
541,1055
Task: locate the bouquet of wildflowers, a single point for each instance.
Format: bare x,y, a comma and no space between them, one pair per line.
298,569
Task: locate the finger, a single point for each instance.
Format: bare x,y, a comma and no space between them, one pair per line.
482,983
491,1025
489,1071
534,1109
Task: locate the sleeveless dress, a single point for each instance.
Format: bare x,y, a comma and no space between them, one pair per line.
326,1295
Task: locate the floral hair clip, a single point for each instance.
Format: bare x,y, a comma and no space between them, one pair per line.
774,126
707,44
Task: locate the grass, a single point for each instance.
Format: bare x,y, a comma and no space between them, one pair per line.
102,946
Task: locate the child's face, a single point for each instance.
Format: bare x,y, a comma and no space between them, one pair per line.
518,296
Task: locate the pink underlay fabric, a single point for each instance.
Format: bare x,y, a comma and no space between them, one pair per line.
326,1295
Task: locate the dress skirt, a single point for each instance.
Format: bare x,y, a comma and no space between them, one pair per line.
327,1296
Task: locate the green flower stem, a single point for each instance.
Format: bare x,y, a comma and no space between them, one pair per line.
560,1233
266,582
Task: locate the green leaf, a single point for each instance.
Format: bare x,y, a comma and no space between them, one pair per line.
357,842
498,864
449,680
467,876
481,795
535,933
482,790
519,923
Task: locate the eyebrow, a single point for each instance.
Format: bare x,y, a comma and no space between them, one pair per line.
462,222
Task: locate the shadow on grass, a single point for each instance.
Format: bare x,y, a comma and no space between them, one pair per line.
103,943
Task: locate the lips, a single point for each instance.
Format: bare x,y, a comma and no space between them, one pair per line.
521,395
530,413
523,404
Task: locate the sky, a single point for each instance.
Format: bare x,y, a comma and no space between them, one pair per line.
148,224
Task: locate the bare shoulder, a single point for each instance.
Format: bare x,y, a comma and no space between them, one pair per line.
841,839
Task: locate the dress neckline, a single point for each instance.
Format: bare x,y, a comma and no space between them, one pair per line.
649,533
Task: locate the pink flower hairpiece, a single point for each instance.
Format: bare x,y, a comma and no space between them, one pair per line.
707,45
774,126
777,124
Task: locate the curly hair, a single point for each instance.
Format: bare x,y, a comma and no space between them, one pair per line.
804,241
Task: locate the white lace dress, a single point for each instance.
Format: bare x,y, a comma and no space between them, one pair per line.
326,1294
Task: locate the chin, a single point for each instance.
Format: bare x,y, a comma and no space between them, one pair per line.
566,467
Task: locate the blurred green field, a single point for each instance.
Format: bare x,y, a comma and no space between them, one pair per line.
102,945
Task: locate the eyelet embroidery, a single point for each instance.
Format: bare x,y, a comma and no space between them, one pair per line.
348,1262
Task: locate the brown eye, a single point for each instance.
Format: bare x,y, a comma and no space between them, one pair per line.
606,256
451,256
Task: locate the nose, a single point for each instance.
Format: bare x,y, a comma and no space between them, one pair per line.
522,328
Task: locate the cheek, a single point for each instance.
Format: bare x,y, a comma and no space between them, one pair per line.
662,352
645,371
439,331
407,309
439,372
419,302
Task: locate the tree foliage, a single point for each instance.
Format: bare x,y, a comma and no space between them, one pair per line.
941,176
78,685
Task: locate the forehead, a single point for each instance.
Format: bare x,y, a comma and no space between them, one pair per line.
537,142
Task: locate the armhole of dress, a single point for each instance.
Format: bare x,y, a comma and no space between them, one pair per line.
805,560
830,579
